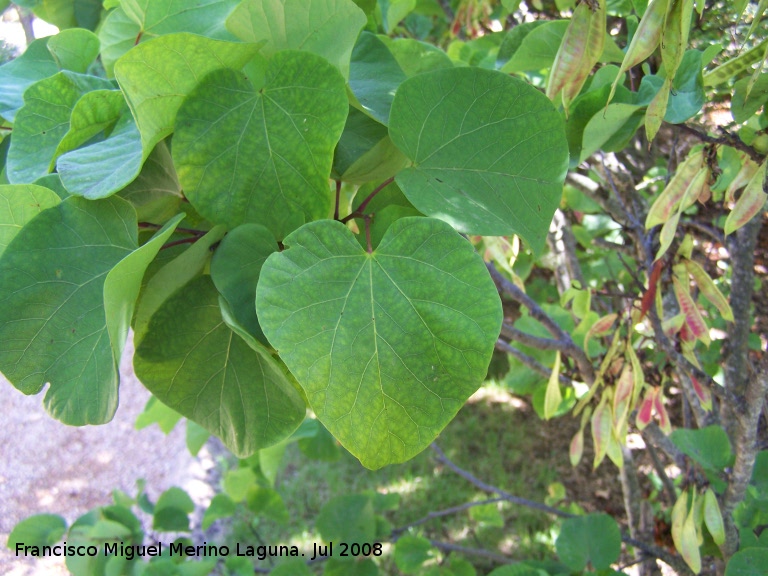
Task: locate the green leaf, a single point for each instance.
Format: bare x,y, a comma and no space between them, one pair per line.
346,567
327,28
286,129
374,76
140,20
411,552
489,152
365,152
155,412
487,514
749,562
192,361
38,530
172,511
237,482
267,503
155,193
156,76
593,539
415,57
123,282
197,436
93,113
605,125
709,446
18,205
19,74
235,270
103,168
687,95
393,12
743,106
221,506
52,318
74,49
171,278
43,121
348,518
537,48
294,567
395,342
321,446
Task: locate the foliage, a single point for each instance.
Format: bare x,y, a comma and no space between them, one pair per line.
355,208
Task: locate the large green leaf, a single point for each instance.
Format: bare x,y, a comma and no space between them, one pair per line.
93,113
262,154
38,530
156,192
593,539
374,76
43,121
135,21
193,362
235,269
123,282
327,28
709,446
103,168
172,277
749,562
74,49
365,151
394,343
537,48
157,75
52,319
489,152
19,74
415,57
18,205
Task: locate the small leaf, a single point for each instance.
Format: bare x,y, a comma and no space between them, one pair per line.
221,506
661,411
713,517
688,545
74,49
703,394
347,518
576,449
411,552
38,530
602,424
645,413
708,289
693,318
622,396
672,195
172,511
553,397
267,503
667,235
749,203
678,517
593,539
600,328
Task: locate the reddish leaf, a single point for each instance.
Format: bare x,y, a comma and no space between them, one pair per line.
661,412
577,447
708,289
601,430
645,413
622,396
692,315
650,294
704,395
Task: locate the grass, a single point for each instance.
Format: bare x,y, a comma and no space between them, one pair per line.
493,436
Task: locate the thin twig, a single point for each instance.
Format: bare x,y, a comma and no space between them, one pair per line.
529,361
440,513
360,209
728,139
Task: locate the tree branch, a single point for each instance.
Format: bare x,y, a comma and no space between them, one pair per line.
536,312
532,363
727,139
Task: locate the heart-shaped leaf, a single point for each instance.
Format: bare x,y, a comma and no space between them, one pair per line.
52,320
489,151
327,28
193,362
262,154
395,341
